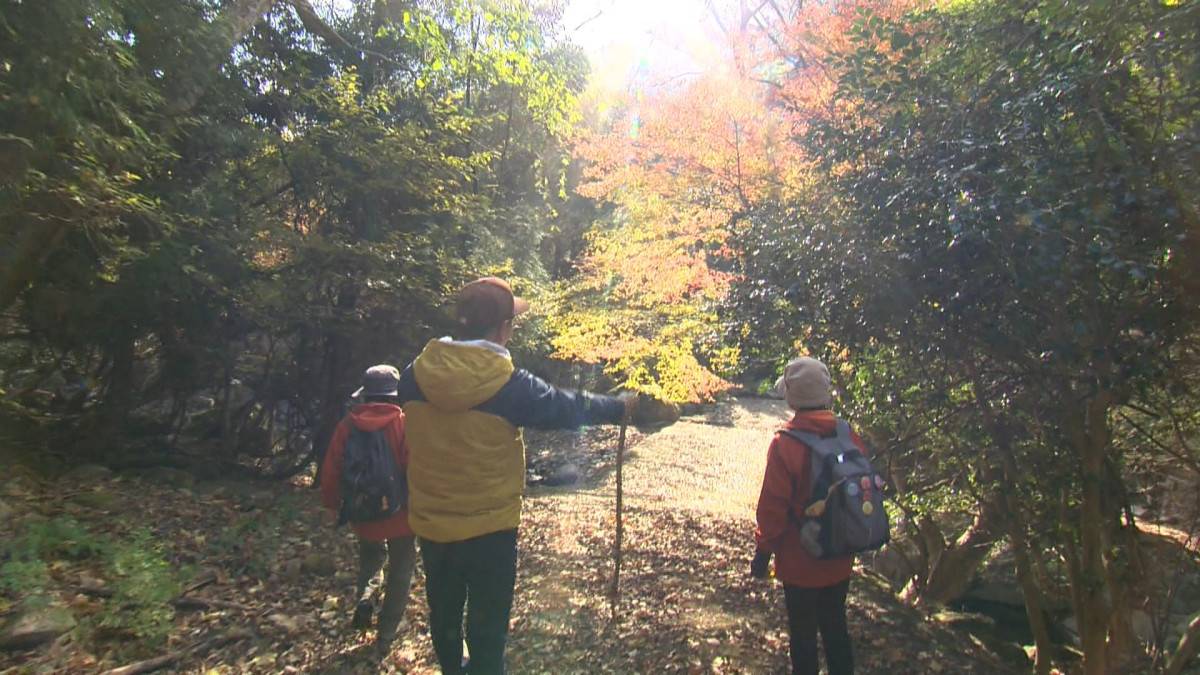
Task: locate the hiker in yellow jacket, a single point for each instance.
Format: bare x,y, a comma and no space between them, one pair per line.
465,404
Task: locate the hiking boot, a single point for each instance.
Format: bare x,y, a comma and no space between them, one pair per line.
362,615
382,648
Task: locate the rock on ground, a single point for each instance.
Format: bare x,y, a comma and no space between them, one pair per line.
35,627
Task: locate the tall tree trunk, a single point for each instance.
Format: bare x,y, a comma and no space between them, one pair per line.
1035,606
1088,429
225,417
337,356
118,396
29,253
1125,565
930,545
1017,533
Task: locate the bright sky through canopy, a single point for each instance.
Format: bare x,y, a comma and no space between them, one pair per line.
641,41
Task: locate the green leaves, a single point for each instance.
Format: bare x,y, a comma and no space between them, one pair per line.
310,210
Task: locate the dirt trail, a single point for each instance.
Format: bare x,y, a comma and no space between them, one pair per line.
690,491
712,464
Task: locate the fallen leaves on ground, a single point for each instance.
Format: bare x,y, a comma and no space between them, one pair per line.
272,563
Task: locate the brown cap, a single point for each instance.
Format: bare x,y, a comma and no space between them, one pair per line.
486,303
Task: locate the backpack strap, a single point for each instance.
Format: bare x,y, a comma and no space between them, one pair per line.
824,447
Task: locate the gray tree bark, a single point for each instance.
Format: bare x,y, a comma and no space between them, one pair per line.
227,31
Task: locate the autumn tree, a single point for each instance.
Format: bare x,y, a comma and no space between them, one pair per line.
676,165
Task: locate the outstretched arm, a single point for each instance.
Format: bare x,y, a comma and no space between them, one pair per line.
529,401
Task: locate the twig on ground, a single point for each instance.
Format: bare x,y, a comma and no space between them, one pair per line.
205,603
199,583
93,589
160,662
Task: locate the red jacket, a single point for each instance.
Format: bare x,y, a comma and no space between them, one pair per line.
367,417
788,485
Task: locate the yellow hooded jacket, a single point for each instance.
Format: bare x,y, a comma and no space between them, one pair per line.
464,405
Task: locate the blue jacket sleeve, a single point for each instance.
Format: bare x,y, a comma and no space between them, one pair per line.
407,390
529,401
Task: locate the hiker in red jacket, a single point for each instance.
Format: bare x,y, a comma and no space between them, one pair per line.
815,589
391,539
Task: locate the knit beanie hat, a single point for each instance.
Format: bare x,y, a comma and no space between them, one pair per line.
805,384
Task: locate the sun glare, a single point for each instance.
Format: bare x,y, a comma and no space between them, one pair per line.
635,43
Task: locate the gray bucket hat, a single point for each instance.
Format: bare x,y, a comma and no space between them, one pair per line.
805,384
381,380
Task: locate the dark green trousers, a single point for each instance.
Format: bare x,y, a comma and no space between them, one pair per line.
479,573
401,555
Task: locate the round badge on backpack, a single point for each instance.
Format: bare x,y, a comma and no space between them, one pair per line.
868,508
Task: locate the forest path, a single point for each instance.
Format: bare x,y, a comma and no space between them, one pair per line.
709,464
280,576
677,482
712,464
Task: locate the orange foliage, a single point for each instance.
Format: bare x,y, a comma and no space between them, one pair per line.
682,165
792,54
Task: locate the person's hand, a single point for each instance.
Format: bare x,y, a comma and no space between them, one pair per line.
630,400
760,567
653,414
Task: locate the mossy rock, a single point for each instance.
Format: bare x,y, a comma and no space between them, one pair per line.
652,413
318,564
88,474
35,627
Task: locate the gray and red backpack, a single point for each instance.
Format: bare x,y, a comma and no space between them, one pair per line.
845,514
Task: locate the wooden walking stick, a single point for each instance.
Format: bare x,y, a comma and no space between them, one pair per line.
615,593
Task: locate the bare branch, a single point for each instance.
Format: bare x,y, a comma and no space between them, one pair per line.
317,26
712,7
588,20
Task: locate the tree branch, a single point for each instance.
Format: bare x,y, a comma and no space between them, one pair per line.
314,24
231,27
1189,644
716,15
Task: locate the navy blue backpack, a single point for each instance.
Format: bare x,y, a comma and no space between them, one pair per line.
374,487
